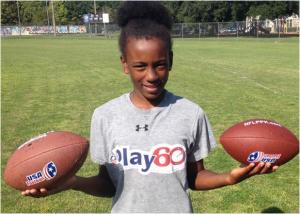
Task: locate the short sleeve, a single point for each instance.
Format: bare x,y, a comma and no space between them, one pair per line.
98,139
202,138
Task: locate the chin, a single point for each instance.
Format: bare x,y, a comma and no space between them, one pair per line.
153,96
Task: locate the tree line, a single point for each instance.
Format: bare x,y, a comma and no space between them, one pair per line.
71,12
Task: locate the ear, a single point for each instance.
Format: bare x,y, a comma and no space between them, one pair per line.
170,60
124,65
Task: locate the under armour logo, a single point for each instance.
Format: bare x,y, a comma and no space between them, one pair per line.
138,127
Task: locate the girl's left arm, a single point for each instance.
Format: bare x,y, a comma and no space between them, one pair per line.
200,178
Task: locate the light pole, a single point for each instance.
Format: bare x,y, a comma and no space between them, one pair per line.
95,11
53,18
47,17
103,20
19,18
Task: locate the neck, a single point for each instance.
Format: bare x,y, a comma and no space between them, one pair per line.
141,102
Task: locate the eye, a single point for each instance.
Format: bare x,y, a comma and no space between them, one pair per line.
161,66
139,67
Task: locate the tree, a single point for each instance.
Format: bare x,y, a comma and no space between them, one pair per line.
195,11
9,13
262,10
269,10
239,10
60,13
174,8
278,9
75,10
71,12
111,8
292,7
188,12
221,11
33,13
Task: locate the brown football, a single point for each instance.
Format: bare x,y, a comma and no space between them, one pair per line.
260,140
45,160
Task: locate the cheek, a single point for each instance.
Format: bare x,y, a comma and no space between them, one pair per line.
136,77
163,75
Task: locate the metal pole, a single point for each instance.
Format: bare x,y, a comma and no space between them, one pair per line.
95,12
182,30
103,22
90,29
47,16
256,28
279,27
19,20
53,19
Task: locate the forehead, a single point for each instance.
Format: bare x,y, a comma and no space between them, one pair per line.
138,46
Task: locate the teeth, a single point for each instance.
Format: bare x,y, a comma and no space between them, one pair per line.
151,86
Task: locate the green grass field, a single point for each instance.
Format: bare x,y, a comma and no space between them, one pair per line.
55,84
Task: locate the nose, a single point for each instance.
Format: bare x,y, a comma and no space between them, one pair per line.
151,75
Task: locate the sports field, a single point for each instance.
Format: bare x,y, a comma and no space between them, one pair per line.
55,84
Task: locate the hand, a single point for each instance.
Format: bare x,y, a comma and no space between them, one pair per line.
36,193
43,192
239,174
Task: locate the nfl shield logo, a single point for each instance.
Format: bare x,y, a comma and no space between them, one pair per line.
50,170
255,157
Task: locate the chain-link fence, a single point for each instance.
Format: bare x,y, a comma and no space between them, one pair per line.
275,28
235,29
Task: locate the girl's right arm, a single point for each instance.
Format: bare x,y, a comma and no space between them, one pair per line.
99,185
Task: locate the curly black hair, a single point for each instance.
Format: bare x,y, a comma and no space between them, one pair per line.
144,19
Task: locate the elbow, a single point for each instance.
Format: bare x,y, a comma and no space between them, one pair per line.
192,184
111,192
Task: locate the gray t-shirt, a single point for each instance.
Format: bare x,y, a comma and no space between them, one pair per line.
146,151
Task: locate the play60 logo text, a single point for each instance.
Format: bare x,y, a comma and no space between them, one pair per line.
162,158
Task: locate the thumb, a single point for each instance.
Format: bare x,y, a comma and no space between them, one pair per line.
241,173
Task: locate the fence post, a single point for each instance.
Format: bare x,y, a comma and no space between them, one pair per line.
96,30
218,29
256,28
199,29
278,28
237,29
53,19
90,29
104,26
19,21
182,30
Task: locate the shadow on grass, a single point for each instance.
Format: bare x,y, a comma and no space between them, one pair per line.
272,210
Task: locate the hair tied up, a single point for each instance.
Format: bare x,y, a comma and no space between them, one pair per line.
148,10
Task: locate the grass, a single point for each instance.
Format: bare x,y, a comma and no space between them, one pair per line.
55,84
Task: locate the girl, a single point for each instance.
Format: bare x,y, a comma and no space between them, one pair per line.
149,143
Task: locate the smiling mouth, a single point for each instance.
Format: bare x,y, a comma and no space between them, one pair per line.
152,88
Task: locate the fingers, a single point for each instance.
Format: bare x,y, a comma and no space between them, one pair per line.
24,193
268,168
38,193
43,190
35,193
274,168
249,168
263,168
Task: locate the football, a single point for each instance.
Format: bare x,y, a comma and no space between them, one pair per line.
45,160
260,140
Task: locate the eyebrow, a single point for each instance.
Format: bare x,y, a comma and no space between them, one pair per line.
155,62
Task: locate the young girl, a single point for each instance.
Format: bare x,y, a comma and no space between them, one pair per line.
149,143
